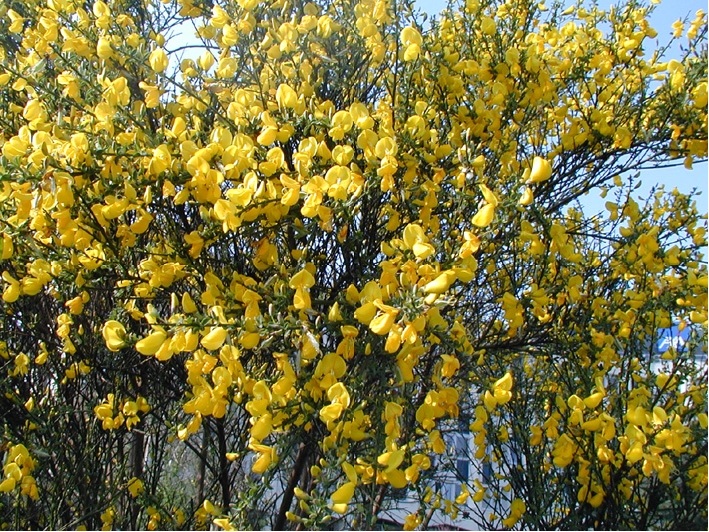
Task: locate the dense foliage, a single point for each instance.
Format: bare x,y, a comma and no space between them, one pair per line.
278,284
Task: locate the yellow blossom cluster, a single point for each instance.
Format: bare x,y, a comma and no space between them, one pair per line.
304,260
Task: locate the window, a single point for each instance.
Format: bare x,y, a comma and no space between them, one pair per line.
463,468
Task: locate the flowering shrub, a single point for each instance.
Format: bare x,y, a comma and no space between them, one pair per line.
265,283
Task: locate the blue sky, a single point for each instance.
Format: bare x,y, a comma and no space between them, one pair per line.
665,14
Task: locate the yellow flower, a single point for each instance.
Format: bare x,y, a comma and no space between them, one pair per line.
340,398
502,389
16,21
151,344
33,110
390,460
158,60
334,313
142,223
114,334
410,35
224,524
249,340
564,451
527,197
302,279
230,35
29,487
412,521
248,5
450,365
214,339
423,250
593,400
267,136
161,160
489,195
541,170
286,96
441,283
7,247
12,290
103,48
484,216
381,324
188,304
344,493
505,383
425,416
302,282
517,509
7,485
135,487
262,427
266,457
488,26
